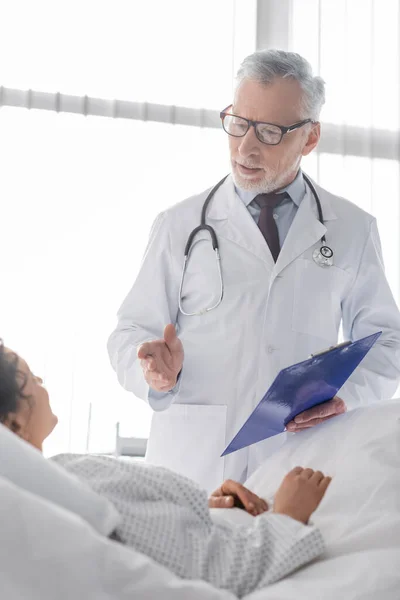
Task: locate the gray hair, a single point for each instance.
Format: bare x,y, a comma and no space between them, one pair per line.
265,65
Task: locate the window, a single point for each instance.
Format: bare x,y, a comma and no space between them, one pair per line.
79,193
354,47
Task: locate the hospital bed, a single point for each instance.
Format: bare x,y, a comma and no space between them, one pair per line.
129,446
54,545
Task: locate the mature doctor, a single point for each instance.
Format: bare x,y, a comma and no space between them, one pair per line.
203,374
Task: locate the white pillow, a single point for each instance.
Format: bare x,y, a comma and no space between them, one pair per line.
28,469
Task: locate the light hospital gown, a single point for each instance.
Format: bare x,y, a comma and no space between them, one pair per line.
166,516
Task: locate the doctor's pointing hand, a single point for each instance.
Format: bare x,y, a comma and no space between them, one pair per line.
162,360
256,273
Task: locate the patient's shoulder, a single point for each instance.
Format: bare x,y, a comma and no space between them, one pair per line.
108,474
92,465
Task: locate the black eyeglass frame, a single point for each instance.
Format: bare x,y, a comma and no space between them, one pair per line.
284,130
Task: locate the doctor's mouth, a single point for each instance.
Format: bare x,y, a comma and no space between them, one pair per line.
248,171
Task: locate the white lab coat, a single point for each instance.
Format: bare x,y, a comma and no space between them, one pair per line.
272,315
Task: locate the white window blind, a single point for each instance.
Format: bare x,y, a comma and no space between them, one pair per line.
153,51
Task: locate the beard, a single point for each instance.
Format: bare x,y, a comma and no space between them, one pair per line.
270,180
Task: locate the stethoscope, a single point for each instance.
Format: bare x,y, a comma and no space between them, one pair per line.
322,257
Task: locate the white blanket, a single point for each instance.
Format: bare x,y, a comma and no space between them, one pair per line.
166,517
48,553
360,514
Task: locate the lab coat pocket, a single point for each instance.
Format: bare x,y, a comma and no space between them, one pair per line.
186,438
317,298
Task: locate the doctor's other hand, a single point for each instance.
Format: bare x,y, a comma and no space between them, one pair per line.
233,494
162,360
317,414
301,493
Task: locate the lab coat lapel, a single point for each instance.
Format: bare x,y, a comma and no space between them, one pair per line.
232,221
306,229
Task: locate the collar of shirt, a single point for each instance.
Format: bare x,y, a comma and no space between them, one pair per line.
295,190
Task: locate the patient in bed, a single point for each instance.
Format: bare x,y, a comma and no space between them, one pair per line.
166,516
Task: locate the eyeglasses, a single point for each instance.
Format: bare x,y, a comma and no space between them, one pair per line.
267,133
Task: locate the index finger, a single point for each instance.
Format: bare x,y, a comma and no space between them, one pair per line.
325,483
144,350
217,492
296,471
243,494
317,412
221,502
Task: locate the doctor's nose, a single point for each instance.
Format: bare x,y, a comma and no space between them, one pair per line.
249,144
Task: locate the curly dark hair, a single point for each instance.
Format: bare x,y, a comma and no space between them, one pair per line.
12,384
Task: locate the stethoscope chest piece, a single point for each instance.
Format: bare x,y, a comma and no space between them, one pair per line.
323,257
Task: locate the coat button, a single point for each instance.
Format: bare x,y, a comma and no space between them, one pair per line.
270,349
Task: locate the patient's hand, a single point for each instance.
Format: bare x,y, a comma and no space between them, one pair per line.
231,494
300,493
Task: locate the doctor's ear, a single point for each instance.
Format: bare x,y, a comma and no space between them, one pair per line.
313,138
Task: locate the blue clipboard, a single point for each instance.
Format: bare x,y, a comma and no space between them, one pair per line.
300,387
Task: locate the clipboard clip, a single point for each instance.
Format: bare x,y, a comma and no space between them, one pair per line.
341,345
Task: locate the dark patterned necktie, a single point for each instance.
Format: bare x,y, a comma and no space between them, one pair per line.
266,221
